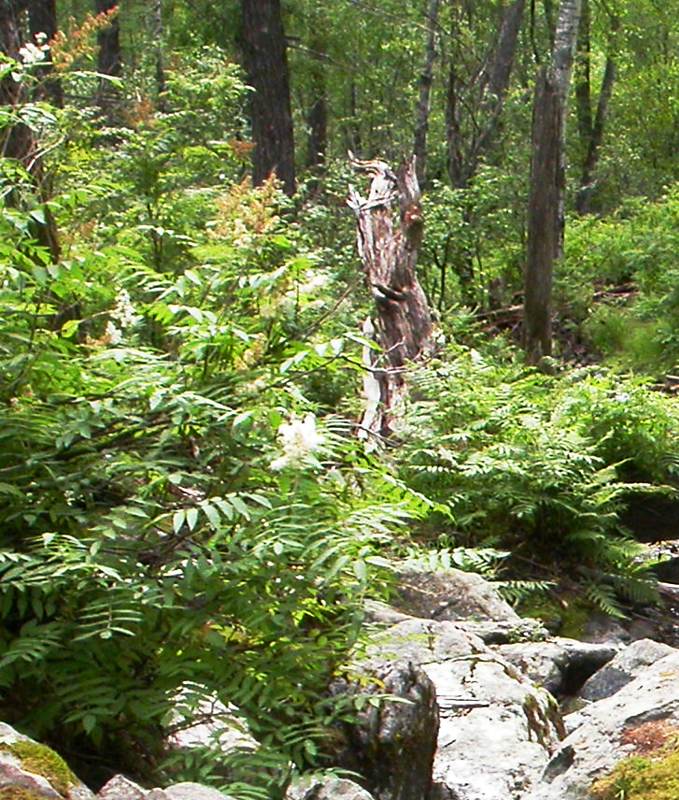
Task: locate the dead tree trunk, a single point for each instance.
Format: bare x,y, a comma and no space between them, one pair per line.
426,79
389,234
547,186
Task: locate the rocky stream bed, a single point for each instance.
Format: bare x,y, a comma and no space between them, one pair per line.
498,709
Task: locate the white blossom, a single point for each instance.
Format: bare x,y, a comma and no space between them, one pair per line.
112,334
32,54
123,311
299,439
621,397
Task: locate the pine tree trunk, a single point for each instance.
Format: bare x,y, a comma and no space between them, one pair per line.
266,65
109,58
426,79
389,234
547,186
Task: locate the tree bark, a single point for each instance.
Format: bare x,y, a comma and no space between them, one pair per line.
18,141
389,234
454,157
157,30
426,79
109,57
42,19
547,186
317,116
266,65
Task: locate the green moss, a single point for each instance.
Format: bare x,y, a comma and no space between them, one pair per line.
642,778
567,618
18,793
41,760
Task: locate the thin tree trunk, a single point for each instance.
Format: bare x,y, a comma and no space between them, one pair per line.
453,132
584,195
547,188
18,141
267,69
389,234
582,78
317,116
42,20
426,79
160,55
498,84
109,58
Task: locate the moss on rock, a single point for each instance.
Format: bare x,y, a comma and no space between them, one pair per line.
40,760
19,793
642,777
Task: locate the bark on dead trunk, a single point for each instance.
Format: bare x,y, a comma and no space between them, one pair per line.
389,233
266,65
547,187
426,79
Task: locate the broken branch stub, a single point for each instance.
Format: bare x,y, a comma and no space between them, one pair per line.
389,226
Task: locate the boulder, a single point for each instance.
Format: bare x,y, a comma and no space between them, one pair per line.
451,595
496,729
559,665
392,746
626,665
327,787
186,791
606,730
121,788
36,769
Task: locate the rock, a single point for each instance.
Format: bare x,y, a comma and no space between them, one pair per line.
451,595
626,665
186,791
121,788
606,729
503,632
496,728
392,747
204,721
36,768
326,788
559,665
604,629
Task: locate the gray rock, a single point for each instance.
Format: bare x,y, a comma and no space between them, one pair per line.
496,728
626,665
14,774
326,788
597,743
392,746
451,595
504,632
121,788
186,791
559,665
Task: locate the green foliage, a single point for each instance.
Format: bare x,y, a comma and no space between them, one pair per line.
652,777
536,465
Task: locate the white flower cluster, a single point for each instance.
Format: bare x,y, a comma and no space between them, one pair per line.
34,53
112,334
299,439
123,311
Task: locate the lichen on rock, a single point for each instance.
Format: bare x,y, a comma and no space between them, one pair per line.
41,760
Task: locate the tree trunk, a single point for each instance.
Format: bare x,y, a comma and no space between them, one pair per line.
389,234
317,116
547,187
426,79
42,20
266,65
157,31
454,156
109,58
18,141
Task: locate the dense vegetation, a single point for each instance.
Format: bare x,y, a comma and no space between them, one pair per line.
186,510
